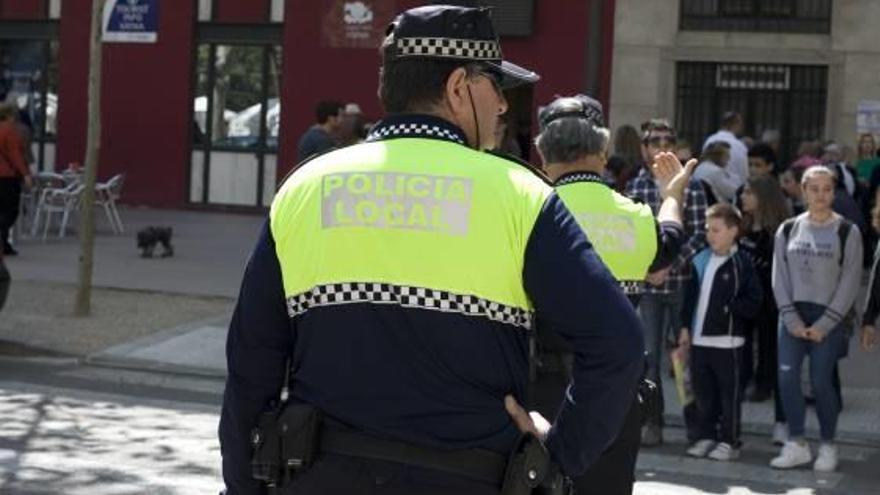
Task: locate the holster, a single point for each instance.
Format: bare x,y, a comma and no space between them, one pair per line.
530,471
285,442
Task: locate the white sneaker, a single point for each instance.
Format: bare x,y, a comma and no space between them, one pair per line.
794,453
826,460
780,434
724,452
700,448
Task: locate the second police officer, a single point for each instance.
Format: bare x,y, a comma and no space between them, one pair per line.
573,144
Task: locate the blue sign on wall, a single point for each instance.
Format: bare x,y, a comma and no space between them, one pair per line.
131,21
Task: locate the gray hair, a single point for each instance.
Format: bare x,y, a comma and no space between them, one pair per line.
568,139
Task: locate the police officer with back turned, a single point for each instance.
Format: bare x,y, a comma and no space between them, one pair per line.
573,144
391,295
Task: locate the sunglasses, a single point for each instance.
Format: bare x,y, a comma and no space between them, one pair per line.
659,140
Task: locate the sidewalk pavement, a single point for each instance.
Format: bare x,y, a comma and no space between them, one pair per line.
211,250
171,315
134,297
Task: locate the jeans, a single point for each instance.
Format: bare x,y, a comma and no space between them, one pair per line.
823,359
660,314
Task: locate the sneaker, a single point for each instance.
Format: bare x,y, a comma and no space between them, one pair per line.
794,453
724,452
780,434
9,251
700,448
826,460
652,435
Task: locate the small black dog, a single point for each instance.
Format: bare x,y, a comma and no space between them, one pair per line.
148,238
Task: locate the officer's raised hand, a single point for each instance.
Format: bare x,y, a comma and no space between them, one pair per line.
672,178
527,422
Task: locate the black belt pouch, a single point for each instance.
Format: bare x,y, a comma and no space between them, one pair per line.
300,432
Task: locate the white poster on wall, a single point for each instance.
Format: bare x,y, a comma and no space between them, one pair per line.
868,117
131,21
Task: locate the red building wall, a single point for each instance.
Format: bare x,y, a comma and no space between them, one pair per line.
556,50
23,9
238,11
314,72
146,106
73,62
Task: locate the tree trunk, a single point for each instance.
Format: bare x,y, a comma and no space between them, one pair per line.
93,142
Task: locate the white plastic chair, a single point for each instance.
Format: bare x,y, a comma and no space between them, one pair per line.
106,194
58,202
43,181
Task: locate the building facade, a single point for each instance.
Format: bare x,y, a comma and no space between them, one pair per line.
208,113
801,67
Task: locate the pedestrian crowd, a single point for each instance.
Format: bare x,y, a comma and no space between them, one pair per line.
336,125
770,274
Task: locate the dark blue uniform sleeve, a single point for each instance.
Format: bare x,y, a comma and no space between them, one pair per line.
574,292
670,239
259,342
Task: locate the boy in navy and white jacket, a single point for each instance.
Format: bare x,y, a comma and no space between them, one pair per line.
722,295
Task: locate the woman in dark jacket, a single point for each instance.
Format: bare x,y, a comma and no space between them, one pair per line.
764,209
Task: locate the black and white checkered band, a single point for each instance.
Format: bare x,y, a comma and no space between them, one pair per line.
487,50
580,177
631,287
416,126
408,297
415,130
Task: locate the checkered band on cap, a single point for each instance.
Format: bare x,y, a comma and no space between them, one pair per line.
408,297
631,287
488,50
414,130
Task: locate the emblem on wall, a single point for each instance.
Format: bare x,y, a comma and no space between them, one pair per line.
356,24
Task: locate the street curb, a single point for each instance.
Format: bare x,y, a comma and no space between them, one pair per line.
43,360
158,337
161,292
135,364
121,356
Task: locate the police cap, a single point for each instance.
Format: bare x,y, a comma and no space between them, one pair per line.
448,32
578,106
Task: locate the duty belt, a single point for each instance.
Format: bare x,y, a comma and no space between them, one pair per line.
478,464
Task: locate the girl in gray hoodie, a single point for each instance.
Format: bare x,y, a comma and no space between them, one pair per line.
817,268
